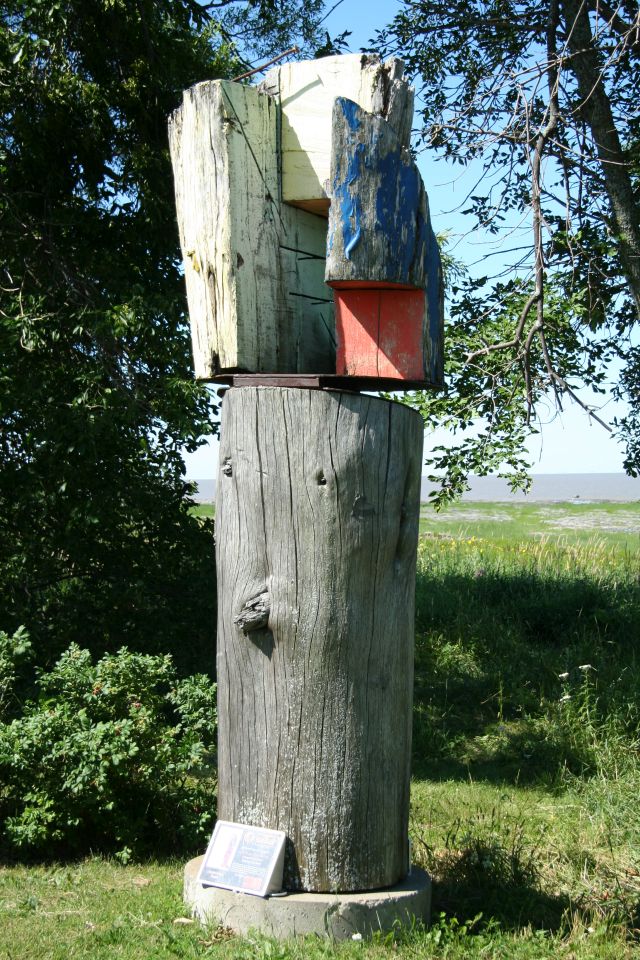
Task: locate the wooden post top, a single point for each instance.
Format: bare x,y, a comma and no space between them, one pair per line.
291,195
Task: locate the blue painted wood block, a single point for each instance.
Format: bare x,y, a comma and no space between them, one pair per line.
380,233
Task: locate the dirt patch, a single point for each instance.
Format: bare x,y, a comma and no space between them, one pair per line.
620,522
468,516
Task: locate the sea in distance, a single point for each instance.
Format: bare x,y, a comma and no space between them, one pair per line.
546,488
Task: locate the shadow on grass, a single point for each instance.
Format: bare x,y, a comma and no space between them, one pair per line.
497,654
545,609
515,754
481,882
514,906
493,876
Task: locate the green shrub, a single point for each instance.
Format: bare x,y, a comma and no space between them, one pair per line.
114,756
15,654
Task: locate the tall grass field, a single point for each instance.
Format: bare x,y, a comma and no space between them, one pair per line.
526,765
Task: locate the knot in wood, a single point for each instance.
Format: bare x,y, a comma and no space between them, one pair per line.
227,467
254,614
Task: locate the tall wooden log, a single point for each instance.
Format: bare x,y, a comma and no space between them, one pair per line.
317,523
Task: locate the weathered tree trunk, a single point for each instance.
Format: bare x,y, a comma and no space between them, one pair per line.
317,522
615,166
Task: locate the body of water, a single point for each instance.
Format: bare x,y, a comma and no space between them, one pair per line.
548,487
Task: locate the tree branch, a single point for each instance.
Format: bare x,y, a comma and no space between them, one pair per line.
597,112
613,18
506,344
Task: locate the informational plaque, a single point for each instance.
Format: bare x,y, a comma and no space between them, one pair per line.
245,859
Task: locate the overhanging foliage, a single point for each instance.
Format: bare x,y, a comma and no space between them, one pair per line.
542,100
97,398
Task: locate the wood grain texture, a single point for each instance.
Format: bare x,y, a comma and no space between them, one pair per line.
305,92
225,184
305,315
317,524
254,269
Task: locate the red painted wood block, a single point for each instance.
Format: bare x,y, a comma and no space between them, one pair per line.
380,331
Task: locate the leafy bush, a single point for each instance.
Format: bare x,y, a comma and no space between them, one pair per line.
114,756
15,653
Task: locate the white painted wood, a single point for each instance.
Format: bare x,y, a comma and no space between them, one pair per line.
305,92
316,534
254,269
254,265
223,143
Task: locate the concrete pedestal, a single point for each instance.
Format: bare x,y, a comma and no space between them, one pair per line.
334,915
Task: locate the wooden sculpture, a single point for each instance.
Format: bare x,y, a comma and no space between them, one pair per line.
257,172
310,261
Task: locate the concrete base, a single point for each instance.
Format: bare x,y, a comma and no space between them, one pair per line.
334,915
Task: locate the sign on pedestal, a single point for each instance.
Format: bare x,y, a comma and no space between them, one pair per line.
245,859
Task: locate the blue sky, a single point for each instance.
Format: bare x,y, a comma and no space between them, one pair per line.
568,442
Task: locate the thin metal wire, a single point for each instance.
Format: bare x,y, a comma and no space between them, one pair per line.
263,66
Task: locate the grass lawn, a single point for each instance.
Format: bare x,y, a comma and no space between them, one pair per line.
204,510
615,524
526,790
